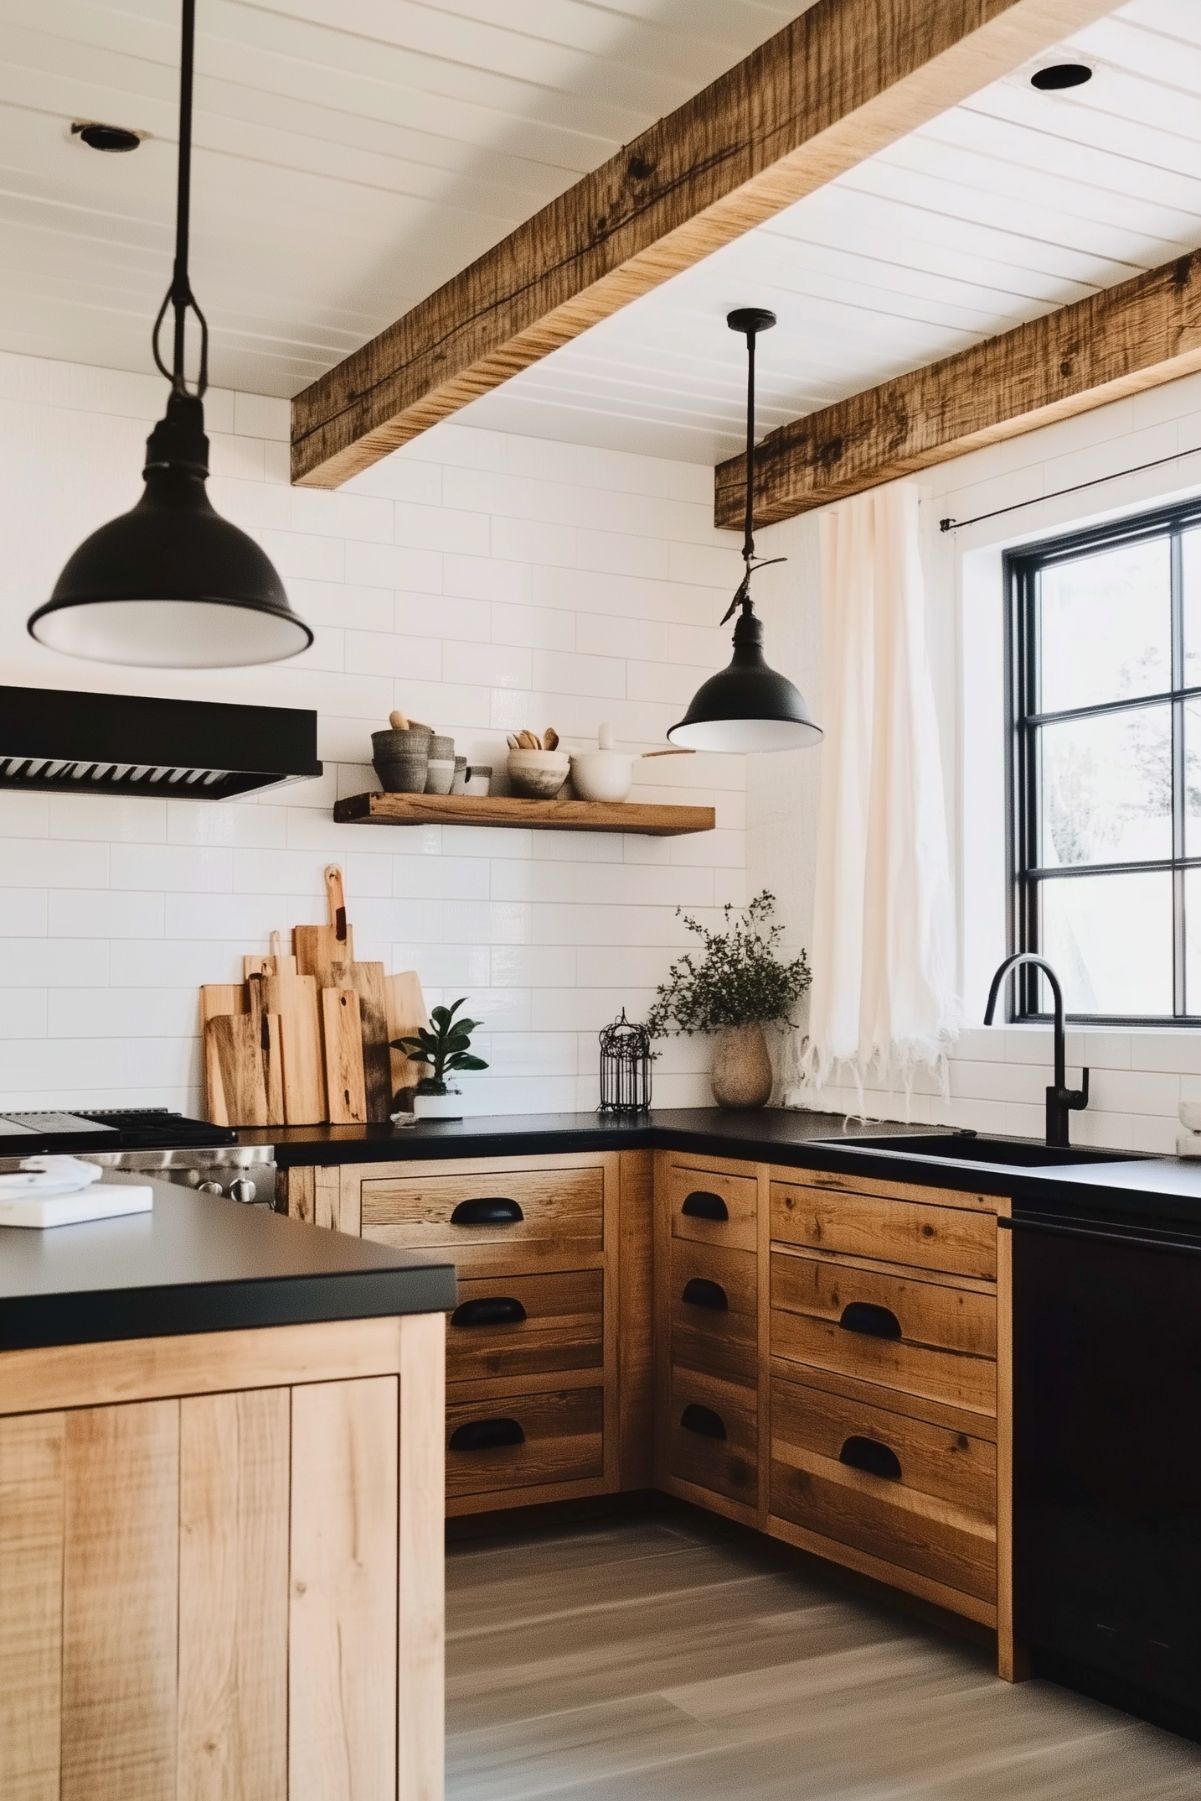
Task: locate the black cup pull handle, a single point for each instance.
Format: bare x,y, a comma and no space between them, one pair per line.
700,1292
700,1204
703,1421
489,1210
486,1435
872,1321
869,1455
489,1310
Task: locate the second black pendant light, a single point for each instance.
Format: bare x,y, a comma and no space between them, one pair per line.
747,706
171,584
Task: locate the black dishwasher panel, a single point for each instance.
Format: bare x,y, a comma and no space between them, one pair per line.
1107,1413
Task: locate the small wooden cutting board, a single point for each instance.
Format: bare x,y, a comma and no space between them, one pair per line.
406,1011
243,1069
343,1033
294,999
369,982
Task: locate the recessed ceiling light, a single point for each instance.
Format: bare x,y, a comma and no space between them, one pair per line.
1058,76
112,138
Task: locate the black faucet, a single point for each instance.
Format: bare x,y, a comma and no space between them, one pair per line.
1061,1100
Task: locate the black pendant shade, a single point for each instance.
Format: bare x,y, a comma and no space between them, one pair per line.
747,706
171,584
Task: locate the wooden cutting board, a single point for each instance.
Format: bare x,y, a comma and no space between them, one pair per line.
243,1069
319,949
343,1036
406,1010
369,982
294,999
221,997
277,963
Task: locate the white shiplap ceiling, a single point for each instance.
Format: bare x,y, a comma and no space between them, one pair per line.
351,155
1002,209
354,154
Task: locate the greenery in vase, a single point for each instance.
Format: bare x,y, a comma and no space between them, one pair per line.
442,1047
737,980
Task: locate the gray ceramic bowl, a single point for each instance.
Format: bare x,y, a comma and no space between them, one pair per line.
401,761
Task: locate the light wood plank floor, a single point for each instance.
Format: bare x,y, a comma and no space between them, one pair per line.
654,1662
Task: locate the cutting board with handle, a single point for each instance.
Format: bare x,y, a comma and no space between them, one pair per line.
406,1011
293,999
243,1069
320,949
277,963
342,1029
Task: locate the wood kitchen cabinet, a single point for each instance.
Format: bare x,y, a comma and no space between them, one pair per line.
549,1350
227,1582
821,1356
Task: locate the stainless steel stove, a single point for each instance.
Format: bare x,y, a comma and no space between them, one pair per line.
150,1141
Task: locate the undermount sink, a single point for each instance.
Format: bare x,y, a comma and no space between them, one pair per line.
965,1148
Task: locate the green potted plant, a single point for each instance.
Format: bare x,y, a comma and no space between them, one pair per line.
734,987
442,1048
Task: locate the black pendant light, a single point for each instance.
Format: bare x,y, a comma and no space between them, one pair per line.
747,706
171,584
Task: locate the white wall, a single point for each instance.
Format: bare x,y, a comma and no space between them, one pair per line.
997,1076
481,581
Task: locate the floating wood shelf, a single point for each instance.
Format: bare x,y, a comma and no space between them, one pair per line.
510,810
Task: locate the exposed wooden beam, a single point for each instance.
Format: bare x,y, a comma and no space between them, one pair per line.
841,82
1139,335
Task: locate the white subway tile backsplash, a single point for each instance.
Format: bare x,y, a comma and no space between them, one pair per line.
105,914
23,912
47,863
24,1013
181,868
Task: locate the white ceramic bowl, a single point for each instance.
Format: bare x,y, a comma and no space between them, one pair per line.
602,774
1190,1115
538,774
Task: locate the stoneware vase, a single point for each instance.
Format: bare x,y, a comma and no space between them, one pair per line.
741,1074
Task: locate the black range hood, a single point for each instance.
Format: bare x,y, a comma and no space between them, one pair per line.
54,740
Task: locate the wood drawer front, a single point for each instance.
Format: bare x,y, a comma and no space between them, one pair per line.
894,1453
714,1310
524,1441
713,1208
519,1326
495,1221
941,1342
713,1436
949,1239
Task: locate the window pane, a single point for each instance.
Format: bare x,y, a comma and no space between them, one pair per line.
1192,941
1190,569
1106,786
1109,939
1192,781
1104,626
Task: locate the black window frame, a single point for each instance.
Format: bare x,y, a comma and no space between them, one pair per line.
1022,567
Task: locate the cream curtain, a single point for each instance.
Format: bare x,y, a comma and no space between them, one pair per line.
883,999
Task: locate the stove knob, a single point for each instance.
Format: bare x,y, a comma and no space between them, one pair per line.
209,1188
241,1190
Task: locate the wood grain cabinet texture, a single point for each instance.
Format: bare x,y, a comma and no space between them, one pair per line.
549,1349
819,1356
219,1595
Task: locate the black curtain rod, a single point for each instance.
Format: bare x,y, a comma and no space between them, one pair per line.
953,525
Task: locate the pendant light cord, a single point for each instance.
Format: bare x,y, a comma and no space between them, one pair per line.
179,295
748,535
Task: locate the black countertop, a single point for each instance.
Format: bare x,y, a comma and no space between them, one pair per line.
199,1263
1168,1187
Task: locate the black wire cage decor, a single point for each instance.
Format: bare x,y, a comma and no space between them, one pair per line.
625,1067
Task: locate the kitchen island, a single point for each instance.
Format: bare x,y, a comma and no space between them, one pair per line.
221,1474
